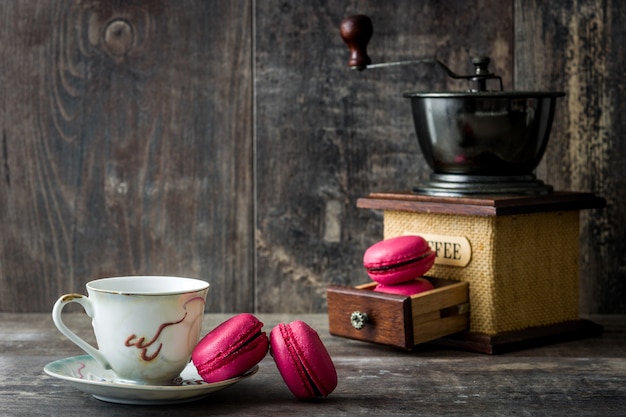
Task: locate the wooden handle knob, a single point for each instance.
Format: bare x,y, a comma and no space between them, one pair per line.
356,31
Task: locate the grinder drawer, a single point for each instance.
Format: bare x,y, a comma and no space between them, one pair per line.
363,314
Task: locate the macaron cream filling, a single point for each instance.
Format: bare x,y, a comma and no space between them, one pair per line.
226,356
298,359
400,264
303,361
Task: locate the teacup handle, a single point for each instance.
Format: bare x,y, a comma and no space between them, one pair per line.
85,302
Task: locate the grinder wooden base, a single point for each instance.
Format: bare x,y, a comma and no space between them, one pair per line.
521,339
521,256
518,253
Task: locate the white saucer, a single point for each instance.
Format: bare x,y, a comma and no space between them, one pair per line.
85,374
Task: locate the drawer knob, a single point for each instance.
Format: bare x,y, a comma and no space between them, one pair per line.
358,319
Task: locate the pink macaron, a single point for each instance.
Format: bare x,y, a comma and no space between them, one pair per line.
399,259
231,349
302,360
408,288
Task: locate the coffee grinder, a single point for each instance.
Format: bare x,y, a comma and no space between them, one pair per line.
512,238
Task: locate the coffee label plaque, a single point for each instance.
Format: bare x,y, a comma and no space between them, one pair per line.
449,250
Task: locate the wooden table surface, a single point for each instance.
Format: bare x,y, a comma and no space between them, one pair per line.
584,377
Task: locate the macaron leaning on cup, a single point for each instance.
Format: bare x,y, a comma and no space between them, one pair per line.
231,349
302,360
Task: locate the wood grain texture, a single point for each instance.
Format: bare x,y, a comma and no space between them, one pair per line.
166,137
580,378
126,147
389,315
326,135
481,206
397,320
578,47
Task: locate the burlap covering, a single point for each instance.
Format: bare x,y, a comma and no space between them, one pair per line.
524,268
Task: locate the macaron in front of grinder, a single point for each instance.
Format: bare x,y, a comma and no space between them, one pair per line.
302,360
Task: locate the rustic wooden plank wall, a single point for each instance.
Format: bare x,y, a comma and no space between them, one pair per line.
126,146
578,47
326,135
228,140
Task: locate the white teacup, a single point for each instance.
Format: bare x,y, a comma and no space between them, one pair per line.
146,326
